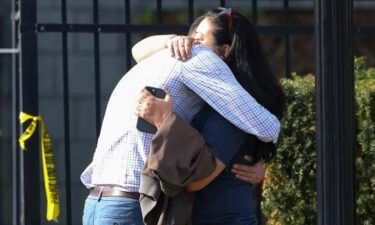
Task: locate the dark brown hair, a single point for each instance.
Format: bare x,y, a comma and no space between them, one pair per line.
250,66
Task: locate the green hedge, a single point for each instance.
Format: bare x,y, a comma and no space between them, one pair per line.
290,187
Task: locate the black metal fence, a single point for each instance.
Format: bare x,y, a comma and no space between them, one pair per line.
26,97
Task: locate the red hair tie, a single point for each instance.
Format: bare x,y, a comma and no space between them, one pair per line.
229,17
228,13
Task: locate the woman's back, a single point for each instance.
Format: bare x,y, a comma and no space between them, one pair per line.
226,200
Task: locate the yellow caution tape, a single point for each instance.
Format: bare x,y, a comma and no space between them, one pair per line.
50,181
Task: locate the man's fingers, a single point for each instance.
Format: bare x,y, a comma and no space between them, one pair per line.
142,97
168,97
146,100
138,107
140,101
145,93
150,99
141,110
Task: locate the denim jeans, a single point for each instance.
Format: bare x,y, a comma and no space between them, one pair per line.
111,211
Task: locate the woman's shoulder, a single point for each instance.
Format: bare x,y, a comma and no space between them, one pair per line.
208,118
207,113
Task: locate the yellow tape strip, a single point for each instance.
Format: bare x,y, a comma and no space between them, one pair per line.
50,181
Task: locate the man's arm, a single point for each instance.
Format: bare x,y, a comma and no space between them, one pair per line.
200,184
224,138
210,78
180,156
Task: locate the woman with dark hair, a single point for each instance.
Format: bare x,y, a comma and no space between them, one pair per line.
225,199
248,63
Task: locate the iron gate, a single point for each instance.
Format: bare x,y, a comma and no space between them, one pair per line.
27,96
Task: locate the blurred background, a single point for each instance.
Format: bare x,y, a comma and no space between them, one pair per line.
286,33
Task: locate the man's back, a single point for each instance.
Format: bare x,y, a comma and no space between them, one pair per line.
156,71
122,149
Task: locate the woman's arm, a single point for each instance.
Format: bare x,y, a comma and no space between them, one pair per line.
149,46
179,46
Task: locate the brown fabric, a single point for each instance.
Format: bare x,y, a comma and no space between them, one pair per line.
178,157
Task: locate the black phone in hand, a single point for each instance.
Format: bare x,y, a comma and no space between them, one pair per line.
142,124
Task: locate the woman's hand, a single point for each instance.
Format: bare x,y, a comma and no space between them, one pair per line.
180,47
153,109
251,174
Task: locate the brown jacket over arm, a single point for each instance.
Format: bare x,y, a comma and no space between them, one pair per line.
178,156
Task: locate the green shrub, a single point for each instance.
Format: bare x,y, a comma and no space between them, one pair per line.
290,188
365,174
289,193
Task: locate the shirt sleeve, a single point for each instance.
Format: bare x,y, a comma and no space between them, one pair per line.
210,78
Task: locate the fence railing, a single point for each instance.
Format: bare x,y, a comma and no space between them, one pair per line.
26,30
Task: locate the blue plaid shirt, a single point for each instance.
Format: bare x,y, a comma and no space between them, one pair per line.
122,150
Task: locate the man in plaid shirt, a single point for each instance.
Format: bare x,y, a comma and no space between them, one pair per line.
122,150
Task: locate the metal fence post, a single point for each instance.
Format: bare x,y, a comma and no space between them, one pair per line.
335,112
28,100
15,123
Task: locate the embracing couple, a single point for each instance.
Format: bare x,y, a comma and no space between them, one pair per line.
215,127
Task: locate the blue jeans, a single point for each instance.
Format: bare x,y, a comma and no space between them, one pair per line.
111,211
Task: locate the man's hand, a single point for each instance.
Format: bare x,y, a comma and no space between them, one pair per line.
180,47
153,109
251,174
